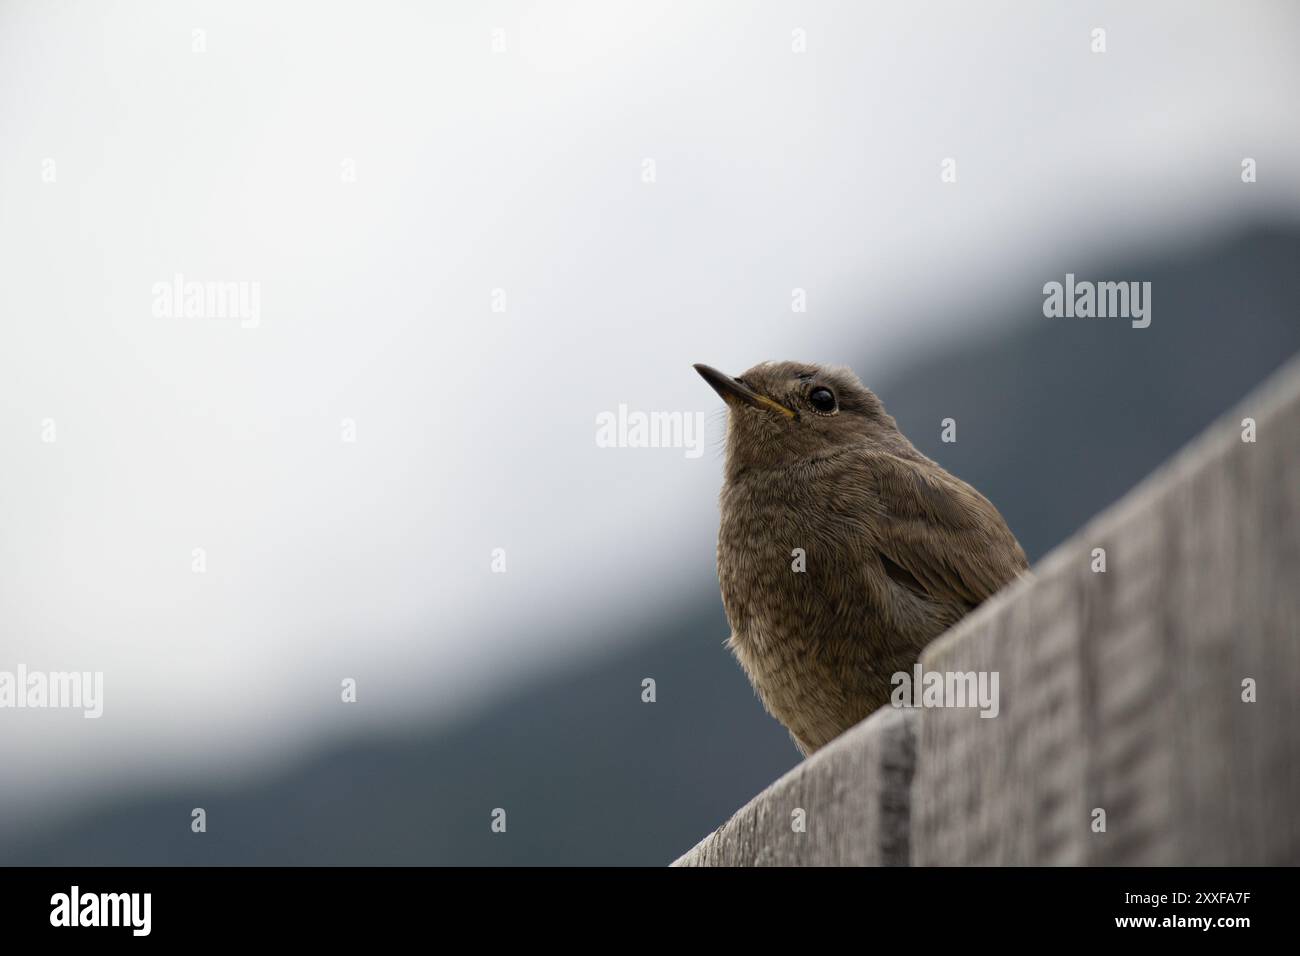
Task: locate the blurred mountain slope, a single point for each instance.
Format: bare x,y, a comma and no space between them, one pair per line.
1056,418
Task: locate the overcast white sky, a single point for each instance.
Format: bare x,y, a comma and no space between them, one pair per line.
520,170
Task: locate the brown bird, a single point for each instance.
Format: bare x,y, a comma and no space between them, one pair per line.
843,550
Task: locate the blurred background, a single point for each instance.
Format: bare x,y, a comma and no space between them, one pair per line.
476,227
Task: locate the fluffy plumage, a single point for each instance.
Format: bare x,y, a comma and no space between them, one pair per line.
896,548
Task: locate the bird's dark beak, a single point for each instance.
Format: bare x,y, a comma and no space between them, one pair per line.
733,391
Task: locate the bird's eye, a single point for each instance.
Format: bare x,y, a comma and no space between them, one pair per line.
822,399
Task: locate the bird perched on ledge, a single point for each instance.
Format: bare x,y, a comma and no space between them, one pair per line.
843,550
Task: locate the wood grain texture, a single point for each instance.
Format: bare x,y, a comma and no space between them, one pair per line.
855,794
1123,690
1120,691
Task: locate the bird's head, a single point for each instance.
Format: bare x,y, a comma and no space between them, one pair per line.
784,413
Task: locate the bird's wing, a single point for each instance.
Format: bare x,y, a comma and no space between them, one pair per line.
940,534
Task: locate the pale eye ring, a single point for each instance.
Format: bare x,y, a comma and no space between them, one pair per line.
822,399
